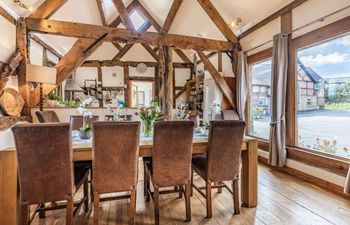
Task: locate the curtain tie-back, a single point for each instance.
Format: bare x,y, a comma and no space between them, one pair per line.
277,121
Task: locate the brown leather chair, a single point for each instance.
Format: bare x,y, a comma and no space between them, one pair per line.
115,162
76,121
46,168
47,116
171,161
222,161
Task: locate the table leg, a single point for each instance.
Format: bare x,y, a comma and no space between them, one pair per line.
8,188
249,175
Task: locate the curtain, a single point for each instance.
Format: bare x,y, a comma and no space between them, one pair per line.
241,81
278,154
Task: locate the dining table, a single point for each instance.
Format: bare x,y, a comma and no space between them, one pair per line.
82,151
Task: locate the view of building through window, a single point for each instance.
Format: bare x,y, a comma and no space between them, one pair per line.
260,100
324,97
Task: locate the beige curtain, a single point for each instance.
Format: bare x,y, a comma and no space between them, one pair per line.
278,154
347,184
241,81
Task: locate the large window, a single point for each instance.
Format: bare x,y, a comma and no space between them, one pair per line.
260,100
324,97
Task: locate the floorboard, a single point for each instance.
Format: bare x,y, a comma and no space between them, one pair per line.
283,200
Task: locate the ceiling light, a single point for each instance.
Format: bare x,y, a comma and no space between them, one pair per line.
236,22
24,6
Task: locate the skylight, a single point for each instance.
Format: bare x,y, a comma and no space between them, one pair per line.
137,19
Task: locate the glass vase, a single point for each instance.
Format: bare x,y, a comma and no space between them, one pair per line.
148,128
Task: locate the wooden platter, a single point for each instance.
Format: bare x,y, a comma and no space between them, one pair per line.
11,102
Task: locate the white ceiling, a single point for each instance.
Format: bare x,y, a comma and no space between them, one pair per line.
191,19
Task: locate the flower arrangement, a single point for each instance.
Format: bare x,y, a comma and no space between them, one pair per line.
85,113
149,115
117,115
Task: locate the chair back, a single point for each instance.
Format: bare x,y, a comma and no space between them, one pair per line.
45,167
115,156
47,116
172,152
224,149
76,121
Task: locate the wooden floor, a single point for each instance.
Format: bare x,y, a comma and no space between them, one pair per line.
282,200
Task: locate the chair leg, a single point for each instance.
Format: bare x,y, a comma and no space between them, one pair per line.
188,202
191,182
42,212
69,211
132,207
237,209
208,198
180,189
24,214
96,208
86,196
145,190
156,205
147,187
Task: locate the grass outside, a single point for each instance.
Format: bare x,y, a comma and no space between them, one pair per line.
338,106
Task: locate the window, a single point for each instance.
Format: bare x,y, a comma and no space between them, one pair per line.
324,97
260,100
137,19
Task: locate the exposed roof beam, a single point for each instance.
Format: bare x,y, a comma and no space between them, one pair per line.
218,78
101,12
272,17
45,45
150,51
129,8
75,57
218,20
182,55
123,51
79,30
117,45
111,63
9,68
47,9
171,15
7,16
211,54
124,14
148,16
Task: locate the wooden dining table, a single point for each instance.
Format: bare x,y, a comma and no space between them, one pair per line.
82,151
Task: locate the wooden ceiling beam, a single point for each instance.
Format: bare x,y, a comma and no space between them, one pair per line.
272,17
182,55
117,45
7,16
45,45
80,30
148,16
218,78
209,55
112,63
220,23
171,15
129,8
124,14
122,52
10,68
47,9
150,51
81,50
101,12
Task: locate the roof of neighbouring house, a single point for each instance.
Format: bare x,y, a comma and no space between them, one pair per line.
315,77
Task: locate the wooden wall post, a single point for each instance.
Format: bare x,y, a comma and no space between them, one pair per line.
128,88
99,85
161,72
286,27
22,45
156,83
169,82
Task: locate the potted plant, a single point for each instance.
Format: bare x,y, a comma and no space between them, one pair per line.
85,130
148,116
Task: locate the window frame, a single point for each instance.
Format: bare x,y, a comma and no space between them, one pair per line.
252,60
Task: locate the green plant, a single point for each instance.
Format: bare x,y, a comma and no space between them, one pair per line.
54,96
149,115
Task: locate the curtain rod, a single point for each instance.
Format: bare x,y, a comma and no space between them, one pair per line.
321,19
